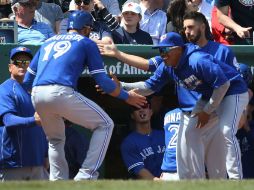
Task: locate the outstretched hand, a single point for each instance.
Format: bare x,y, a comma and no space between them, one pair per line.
136,99
108,50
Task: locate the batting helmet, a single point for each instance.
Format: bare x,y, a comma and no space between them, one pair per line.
79,19
246,73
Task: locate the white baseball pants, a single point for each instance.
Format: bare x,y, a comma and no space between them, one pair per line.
55,102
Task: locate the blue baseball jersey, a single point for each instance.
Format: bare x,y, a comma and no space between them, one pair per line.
200,72
186,98
19,146
171,125
222,53
62,59
143,151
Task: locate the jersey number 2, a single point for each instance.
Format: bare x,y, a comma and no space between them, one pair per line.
59,48
173,140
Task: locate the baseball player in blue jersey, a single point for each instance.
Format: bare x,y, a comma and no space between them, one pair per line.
23,145
195,25
54,72
172,122
190,74
142,150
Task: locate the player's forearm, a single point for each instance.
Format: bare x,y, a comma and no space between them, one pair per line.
142,87
133,60
11,120
216,98
145,174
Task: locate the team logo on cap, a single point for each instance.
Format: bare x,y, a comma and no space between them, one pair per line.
71,24
21,49
130,5
163,37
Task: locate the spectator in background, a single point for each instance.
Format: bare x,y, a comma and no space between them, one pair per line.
205,8
241,20
5,8
29,30
153,20
23,144
76,146
49,13
143,149
220,33
175,12
100,32
129,32
104,15
112,6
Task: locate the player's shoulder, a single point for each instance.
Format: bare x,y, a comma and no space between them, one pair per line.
131,139
219,46
6,87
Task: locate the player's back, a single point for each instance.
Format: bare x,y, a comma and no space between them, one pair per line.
62,59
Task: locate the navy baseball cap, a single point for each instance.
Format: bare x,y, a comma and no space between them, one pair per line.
170,39
21,49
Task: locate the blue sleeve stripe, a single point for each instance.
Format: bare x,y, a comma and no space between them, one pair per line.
135,165
97,71
154,62
31,71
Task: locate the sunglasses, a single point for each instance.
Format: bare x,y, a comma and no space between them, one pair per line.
85,2
30,5
21,63
165,50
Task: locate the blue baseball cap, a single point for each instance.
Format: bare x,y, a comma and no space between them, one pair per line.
21,49
170,39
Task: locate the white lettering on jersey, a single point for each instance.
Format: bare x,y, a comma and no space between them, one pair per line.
59,48
191,82
172,118
173,141
75,37
146,152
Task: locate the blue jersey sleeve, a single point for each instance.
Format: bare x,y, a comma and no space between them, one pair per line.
131,157
154,63
96,69
161,77
94,60
11,120
104,82
31,72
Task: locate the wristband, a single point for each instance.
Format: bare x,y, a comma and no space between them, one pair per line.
123,95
